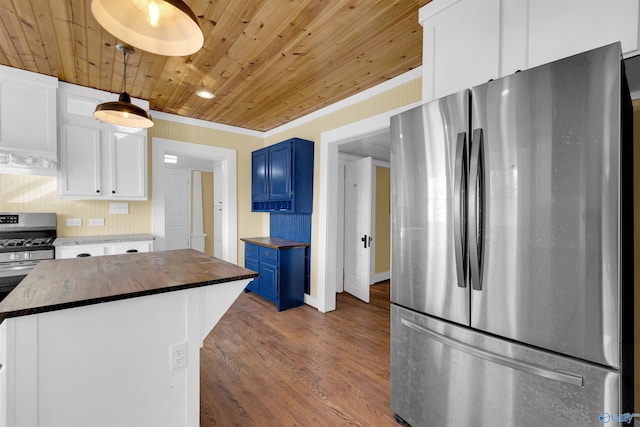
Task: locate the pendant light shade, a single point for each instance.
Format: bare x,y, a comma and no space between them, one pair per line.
122,112
163,27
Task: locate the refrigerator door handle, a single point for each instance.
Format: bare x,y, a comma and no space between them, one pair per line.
530,368
476,205
460,209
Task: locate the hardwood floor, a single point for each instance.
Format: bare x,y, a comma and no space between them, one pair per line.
299,367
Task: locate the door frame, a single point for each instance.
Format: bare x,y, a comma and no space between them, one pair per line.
329,191
227,159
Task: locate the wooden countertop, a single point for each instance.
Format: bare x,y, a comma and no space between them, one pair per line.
66,283
274,242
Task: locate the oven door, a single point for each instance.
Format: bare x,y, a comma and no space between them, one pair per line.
12,273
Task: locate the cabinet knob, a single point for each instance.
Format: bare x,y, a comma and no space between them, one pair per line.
97,191
113,191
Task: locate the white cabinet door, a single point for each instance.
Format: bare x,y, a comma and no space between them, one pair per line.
128,165
77,251
27,111
79,174
130,247
558,29
461,45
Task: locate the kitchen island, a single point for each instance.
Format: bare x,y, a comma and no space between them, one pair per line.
112,341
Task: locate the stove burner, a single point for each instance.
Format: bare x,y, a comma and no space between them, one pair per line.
26,242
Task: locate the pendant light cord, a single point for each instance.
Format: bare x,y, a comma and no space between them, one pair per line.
124,77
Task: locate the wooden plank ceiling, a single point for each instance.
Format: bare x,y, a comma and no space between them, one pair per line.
267,61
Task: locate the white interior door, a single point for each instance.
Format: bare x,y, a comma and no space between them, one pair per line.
357,227
177,188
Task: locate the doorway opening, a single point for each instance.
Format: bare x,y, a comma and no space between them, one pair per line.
222,162
193,213
330,141
364,221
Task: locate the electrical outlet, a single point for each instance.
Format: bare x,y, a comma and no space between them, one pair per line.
178,354
96,222
74,222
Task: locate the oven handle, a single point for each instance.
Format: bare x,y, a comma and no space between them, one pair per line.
17,270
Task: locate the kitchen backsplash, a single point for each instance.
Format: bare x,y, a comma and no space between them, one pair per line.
26,193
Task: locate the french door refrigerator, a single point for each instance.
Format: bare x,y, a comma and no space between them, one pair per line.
512,250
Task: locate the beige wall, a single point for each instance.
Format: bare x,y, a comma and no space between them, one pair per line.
383,220
249,224
24,193
405,94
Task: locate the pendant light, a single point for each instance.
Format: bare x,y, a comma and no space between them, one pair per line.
163,27
122,112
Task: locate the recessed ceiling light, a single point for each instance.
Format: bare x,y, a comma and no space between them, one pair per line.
203,93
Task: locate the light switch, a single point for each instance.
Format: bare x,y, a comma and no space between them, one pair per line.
119,208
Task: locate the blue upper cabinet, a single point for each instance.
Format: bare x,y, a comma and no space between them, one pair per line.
282,177
259,188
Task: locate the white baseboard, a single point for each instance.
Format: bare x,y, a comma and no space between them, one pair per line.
379,277
313,302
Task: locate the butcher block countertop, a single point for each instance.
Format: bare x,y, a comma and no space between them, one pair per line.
66,283
274,242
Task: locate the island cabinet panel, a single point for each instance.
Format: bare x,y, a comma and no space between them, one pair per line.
81,349
281,269
282,177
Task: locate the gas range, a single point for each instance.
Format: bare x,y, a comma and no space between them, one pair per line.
25,239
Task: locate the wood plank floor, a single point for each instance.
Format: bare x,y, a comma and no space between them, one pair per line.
299,367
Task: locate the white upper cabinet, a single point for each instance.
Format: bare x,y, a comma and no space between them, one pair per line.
468,42
98,160
558,29
461,45
128,158
28,126
80,173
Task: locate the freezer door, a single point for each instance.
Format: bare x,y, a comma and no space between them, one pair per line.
447,375
429,154
547,206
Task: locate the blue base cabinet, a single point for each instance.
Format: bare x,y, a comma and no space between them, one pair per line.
282,177
281,265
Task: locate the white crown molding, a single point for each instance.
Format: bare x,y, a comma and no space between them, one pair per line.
205,124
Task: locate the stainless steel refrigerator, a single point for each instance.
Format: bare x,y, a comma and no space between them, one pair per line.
512,250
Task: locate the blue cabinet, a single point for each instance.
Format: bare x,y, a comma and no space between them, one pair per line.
282,177
281,265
